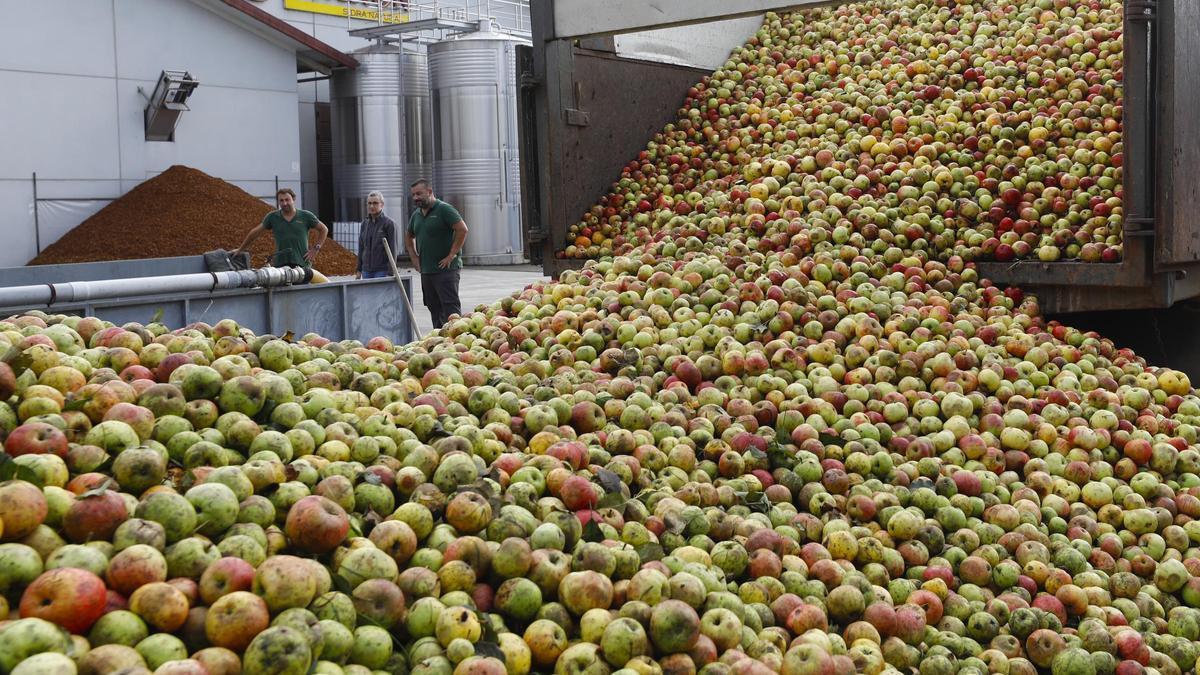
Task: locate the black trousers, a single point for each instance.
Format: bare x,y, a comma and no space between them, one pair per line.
441,295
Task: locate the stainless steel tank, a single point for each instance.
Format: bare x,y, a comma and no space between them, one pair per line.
418,118
368,120
476,166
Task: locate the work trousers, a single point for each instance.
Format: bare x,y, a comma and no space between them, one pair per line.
441,295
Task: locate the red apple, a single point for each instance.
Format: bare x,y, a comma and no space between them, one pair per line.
68,596
22,508
316,524
95,516
36,438
224,576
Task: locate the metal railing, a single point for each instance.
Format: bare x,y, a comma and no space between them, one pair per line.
511,16
346,234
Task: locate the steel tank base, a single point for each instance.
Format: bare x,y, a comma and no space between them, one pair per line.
494,259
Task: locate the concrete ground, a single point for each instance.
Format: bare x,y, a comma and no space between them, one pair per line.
477,286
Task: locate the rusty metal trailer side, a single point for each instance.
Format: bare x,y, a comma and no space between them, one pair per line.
605,109
1161,265
587,113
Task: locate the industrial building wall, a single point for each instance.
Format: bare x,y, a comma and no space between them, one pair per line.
73,112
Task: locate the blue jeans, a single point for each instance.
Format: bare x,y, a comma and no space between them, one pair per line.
376,275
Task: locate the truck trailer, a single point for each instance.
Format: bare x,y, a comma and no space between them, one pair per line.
585,111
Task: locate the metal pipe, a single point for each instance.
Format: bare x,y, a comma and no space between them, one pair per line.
412,315
1140,93
84,291
37,227
77,199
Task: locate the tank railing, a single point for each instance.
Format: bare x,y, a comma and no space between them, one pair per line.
381,8
518,9
435,9
508,15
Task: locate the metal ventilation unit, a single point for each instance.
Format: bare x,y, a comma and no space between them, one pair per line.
167,103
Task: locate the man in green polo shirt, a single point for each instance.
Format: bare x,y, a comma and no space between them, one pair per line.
290,227
434,239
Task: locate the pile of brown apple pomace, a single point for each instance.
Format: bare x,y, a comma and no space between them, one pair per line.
756,442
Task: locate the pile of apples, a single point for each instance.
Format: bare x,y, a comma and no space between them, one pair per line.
987,131
745,445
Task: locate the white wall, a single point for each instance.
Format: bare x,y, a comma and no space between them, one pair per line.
73,113
705,45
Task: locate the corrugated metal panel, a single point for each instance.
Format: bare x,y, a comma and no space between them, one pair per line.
418,116
474,84
418,125
466,63
369,133
466,176
346,234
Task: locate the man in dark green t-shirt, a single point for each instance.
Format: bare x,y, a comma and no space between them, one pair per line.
434,239
290,227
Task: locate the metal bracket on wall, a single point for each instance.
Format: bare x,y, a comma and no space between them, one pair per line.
1145,227
1140,10
167,103
575,116
1139,226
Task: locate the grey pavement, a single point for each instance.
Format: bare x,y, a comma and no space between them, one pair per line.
477,286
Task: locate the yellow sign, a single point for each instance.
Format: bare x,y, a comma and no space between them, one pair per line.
345,9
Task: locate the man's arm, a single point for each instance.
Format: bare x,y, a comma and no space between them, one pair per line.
460,238
410,245
389,231
362,236
322,233
253,234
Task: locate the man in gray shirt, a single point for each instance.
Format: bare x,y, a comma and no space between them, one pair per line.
372,259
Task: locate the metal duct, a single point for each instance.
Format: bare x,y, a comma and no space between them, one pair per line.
84,291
